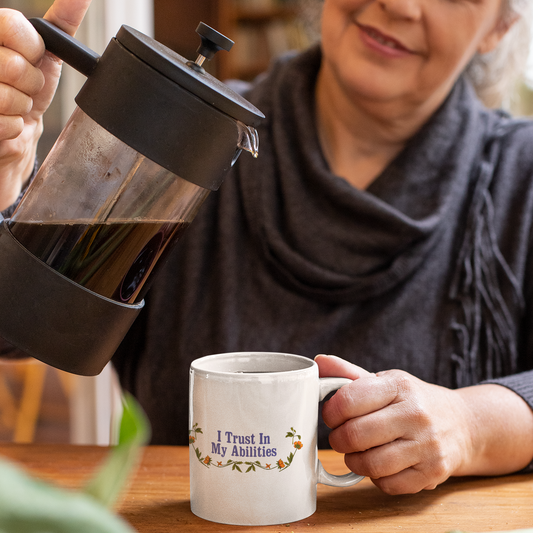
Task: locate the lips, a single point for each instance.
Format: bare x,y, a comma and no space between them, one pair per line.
383,40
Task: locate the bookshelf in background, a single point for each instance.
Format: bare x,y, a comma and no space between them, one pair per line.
261,29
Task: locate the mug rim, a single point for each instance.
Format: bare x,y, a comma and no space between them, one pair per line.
202,364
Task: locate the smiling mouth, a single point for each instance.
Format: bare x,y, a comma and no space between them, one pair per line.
383,39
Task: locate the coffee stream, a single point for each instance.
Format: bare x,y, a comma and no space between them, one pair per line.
112,259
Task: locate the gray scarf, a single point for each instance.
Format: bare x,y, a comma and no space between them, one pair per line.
371,242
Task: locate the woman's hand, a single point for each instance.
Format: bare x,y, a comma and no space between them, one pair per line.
408,435
28,81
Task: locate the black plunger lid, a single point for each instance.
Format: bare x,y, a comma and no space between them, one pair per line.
165,107
188,74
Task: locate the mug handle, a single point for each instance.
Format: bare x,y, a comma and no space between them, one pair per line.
328,385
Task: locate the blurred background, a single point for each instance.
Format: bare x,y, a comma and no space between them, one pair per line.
37,402
42,404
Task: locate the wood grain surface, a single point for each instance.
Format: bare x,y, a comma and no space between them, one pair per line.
157,499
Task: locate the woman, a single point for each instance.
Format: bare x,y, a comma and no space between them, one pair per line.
387,221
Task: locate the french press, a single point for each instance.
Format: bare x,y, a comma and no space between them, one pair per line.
151,136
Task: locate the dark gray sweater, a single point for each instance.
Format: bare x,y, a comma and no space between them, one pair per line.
427,270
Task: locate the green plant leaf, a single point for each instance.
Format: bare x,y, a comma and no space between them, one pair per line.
134,433
29,505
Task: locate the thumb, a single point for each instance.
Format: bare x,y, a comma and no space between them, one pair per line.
67,14
333,366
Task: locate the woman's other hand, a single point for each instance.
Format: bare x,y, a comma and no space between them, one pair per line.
408,435
28,81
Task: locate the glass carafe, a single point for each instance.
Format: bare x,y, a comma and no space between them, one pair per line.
103,217
152,135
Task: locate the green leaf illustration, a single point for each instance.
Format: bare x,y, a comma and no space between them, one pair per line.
278,465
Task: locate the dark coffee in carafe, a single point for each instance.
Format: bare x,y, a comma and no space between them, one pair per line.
113,259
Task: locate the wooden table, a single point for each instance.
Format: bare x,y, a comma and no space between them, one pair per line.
158,497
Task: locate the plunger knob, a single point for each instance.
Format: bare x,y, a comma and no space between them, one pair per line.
212,42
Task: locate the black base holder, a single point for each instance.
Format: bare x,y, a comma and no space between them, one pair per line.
53,319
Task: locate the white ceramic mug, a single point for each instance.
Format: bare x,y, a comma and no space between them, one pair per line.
253,437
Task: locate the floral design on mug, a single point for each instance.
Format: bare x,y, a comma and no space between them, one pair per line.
249,466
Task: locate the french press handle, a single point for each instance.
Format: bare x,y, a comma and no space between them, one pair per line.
66,47
84,60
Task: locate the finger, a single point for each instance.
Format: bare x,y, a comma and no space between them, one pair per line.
361,397
408,481
19,73
67,14
383,461
16,33
10,127
14,102
395,469
333,366
369,431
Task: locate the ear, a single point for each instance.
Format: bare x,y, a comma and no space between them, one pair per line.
493,38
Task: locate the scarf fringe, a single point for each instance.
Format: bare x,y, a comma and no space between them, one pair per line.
487,333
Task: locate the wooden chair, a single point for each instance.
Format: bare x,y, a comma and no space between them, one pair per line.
21,415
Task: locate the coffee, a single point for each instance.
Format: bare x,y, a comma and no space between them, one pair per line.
257,371
112,259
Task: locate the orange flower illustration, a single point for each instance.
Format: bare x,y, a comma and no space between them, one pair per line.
241,465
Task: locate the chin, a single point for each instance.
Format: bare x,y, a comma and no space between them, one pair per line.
373,92
363,81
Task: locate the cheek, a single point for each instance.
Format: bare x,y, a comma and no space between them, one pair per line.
331,25
452,56
448,61
337,20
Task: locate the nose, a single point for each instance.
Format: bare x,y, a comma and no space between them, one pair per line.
405,9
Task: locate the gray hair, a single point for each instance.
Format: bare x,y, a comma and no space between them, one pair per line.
494,75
